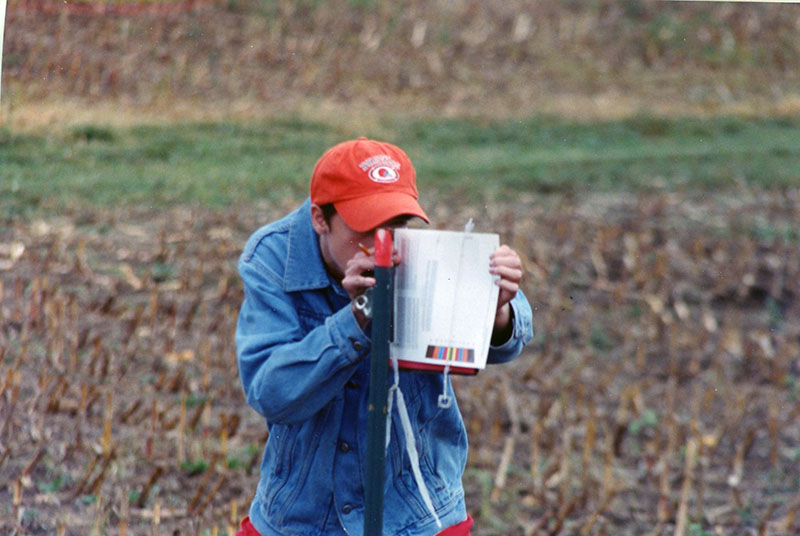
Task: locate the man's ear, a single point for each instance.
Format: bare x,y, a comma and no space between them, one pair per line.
318,220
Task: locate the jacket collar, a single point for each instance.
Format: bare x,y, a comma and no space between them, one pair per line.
305,269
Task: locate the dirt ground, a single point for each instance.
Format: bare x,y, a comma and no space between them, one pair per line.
661,391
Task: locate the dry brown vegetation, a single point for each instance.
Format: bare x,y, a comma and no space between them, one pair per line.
662,393
250,57
660,396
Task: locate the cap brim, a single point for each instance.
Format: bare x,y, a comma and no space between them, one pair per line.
368,212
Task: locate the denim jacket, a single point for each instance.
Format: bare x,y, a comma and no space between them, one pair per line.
304,366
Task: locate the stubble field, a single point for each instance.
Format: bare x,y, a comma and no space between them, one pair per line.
642,157
659,396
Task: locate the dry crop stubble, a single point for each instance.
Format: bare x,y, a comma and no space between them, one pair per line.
643,319
660,391
109,411
244,59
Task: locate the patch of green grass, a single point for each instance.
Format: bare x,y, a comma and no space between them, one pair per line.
648,419
161,271
89,133
194,467
88,499
53,486
746,515
641,153
697,529
600,340
220,164
206,164
774,312
194,400
236,464
30,515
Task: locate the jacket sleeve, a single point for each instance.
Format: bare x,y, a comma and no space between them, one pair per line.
288,376
522,317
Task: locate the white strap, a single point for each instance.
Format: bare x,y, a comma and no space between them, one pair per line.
445,400
408,433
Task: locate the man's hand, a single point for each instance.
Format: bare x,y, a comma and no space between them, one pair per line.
358,277
358,274
506,263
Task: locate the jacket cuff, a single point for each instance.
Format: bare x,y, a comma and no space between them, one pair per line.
522,331
346,334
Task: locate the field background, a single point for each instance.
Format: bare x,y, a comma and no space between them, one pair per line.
643,158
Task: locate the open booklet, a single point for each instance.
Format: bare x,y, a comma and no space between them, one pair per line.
445,300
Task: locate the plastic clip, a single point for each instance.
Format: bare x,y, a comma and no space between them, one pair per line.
363,302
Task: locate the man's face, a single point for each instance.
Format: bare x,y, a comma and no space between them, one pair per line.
338,242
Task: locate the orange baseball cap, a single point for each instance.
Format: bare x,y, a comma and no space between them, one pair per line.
369,182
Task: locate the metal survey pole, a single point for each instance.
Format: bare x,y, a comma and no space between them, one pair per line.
378,390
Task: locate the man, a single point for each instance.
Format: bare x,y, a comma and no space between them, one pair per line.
302,349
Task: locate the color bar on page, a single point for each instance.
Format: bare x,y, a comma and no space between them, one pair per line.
450,353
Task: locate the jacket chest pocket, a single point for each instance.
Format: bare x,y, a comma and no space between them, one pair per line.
310,319
312,309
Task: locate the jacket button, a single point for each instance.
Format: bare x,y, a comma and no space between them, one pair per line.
344,447
358,346
347,508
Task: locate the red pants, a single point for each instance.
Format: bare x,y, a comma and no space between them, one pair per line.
462,529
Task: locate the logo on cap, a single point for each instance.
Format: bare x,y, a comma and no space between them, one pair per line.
381,168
